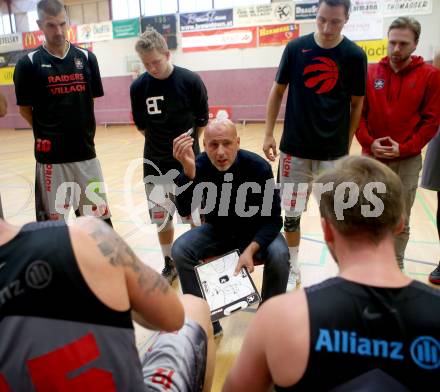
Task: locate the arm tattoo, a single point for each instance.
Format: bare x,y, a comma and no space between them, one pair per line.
118,253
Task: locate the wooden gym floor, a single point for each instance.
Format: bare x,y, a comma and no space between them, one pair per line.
119,150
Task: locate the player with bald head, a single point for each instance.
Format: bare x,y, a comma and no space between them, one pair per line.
242,209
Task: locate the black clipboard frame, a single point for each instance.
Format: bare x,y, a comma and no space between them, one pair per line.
239,304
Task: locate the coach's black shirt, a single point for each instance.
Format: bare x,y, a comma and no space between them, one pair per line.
321,83
165,109
61,92
361,336
250,211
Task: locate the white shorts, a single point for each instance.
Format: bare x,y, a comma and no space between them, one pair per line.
162,203
296,176
62,186
176,361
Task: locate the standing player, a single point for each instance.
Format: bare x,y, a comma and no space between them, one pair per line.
401,112
166,101
431,177
325,73
55,86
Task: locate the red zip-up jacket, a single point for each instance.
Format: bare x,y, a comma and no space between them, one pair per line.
404,106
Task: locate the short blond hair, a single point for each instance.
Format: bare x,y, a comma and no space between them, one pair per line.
362,171
151,39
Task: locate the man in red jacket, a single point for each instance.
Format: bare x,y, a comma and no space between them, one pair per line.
401,112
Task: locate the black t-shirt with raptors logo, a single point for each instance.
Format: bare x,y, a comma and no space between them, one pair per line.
321,83
61,92
165,109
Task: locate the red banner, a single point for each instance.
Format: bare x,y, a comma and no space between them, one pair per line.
277,34
32,39
86,45
245,37
220,112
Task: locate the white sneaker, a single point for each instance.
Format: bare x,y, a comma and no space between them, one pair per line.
294,280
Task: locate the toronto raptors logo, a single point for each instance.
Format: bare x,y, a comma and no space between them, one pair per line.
325,72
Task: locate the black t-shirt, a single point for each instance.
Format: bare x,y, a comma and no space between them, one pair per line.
61,92
361,333
165,109
321,83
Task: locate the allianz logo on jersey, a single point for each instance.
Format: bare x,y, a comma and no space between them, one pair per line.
424,350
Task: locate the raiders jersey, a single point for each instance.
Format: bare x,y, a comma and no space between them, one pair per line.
60,92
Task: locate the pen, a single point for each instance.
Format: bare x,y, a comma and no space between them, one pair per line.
189,132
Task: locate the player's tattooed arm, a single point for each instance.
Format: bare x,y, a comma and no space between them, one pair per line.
153,304
118,253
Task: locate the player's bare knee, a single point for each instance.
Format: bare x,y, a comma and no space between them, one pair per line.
292,224
198,310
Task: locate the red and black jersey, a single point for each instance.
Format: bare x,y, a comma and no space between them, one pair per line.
55,334
61,92
321,83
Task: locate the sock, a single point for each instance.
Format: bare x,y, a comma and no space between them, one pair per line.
293,252
166,250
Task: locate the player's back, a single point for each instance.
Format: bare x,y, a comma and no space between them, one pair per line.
369,334
55,332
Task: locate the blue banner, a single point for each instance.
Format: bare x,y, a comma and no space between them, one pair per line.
214,19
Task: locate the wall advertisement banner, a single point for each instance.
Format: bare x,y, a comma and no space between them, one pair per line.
364,28
6,76
94,32
214,19
393,8
245,37
277,34
126,28
268,14
375,49
11,42
306,12
10,59
365,7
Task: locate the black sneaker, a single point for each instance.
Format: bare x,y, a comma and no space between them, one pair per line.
169,272
434,276
218,330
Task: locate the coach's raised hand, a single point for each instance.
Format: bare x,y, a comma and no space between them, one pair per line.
183,152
